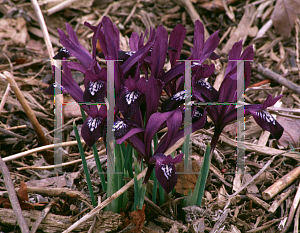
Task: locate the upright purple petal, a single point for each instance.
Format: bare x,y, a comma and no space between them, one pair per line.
159,51
72,44
153,95
198,40
134,41
209,47
141,53
176,41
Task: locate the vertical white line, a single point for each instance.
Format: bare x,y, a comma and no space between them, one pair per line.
110,117
187,112
240,161
58,118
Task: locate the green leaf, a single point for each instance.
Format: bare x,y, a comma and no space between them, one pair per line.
201,181
84,164
136,193
142,196
161,195
99,168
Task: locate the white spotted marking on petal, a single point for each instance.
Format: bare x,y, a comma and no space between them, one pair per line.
167,170
131,97
93,123
63,49
95,87
266,116
196,64
197,113
119,125
55,85
180,96
130,53
205,84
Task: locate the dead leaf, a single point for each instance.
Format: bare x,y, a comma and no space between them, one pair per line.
22,197
216,5
290,133
22,192
187,181
284,16
138,218
14,31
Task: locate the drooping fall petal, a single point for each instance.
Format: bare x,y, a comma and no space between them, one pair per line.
165,170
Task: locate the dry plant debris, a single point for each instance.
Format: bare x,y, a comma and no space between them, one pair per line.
268,203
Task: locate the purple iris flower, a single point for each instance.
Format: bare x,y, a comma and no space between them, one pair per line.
135,92
222,115
165,170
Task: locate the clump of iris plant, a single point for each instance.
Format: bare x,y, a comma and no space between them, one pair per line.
139,81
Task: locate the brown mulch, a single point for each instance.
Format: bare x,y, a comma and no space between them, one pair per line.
272,27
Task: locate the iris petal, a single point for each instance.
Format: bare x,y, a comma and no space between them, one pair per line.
92,130
266,121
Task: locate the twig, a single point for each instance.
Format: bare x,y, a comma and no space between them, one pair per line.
296,222
60,6
278,78
63,164
60,128
43,27
131,13
292,211
13,197
59,192
42,216
12,134
251,180
156,208
171,223
32,118
190,9
105,203
4,98
28,64
39,149
220,221
279,200
264,227
253,147
258,201
281,184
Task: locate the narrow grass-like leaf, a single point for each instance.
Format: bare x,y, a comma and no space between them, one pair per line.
185,150
128,160
142,195
99,168
83,114
136,192
201,181
84,164
161,195
154,192
188,200
119,173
